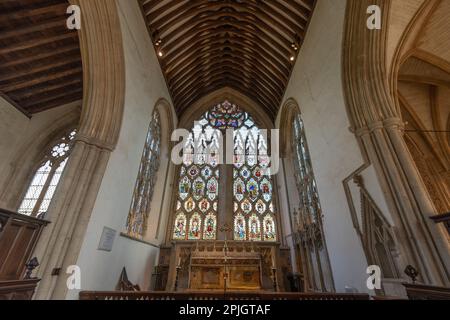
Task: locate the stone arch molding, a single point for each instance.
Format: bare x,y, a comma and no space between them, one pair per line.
168,125
289,110
101,119
369,63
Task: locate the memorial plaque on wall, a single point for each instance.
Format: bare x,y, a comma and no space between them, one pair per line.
107,239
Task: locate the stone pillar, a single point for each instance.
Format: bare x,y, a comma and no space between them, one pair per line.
420,242
375,119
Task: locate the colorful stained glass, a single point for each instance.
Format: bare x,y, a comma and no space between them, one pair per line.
245,173
213,189
254,228
252,189
189,205
179,232
269,229
257,173
195,227
266,189
210,227
207,173
199,188
204,205
193,172
239,189
184,188
240,233
246,206
260,207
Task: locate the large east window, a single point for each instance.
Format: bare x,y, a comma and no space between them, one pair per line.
201,194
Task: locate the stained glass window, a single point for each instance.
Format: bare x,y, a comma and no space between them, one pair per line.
43,185
304,176
137,221
252,185
198,184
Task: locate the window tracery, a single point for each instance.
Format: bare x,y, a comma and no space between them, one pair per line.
198,186
137,221
40,192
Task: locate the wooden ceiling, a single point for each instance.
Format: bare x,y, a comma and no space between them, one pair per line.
40,59
248,45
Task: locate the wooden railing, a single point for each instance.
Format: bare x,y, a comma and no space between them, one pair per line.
211,296
423,292
19,235
18,289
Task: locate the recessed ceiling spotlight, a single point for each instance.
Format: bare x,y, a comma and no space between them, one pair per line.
292,58
160,53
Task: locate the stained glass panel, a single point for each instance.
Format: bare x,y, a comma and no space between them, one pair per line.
304,176
179,232
198,188
195,227
269,229
210,227
252,186
137,221
240,233
254,228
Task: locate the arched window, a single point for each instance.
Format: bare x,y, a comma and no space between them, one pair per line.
145,183
252,186
304,175
197,202
43,185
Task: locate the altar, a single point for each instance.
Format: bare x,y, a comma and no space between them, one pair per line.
225,270
222,266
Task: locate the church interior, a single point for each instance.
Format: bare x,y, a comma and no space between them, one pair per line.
209,149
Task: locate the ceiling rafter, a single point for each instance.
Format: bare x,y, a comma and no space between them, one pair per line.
40,59
244,40
247,45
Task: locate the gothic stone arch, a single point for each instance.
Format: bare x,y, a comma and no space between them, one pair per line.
376,121
101,119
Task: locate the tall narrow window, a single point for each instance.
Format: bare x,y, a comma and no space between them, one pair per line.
43,185
304,176
145,183
198,186
252,188
197,203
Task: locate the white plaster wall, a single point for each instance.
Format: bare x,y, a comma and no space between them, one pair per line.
316,85
144,86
